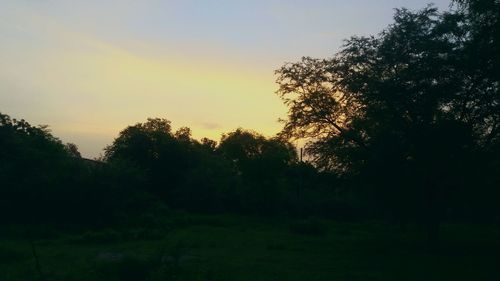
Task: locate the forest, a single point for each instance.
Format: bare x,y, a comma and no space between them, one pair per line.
398,179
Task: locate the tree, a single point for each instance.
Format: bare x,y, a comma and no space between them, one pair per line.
400,109
140,143
33,165
152,147
254,156
72,150
261,165
178,169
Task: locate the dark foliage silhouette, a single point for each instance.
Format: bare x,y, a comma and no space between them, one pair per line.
406,110
402,131
46,181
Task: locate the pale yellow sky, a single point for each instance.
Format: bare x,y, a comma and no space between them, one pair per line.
90,68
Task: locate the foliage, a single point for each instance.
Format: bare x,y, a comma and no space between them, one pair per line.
402,124
245,172
43,180
406,112
397,90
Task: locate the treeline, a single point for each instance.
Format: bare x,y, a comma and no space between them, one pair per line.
402,125
150,169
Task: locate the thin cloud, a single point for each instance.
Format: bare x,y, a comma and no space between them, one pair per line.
210,125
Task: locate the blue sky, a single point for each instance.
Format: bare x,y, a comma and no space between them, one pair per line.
90,68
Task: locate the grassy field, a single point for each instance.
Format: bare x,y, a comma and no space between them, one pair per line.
195,247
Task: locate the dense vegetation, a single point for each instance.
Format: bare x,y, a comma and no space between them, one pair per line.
413,113
403,127
149,166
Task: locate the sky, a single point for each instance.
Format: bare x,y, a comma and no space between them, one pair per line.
88,69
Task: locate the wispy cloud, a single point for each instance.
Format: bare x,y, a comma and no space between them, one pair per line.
210,125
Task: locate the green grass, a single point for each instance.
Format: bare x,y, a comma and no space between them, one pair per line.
195,247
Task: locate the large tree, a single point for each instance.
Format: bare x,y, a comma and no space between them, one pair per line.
404,109
257,157
261,166
178,169
154,148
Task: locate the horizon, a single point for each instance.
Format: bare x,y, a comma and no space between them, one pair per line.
90,69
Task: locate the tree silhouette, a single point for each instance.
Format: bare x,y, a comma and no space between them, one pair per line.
72,150
261,165
254,156
404,109
152,147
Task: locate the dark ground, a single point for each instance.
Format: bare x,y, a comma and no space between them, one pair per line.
219,247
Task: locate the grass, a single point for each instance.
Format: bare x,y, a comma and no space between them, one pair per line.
218,247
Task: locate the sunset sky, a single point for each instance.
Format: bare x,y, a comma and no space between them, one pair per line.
90,68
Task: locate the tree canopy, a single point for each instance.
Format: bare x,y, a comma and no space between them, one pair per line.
256,156
394,89
408,110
